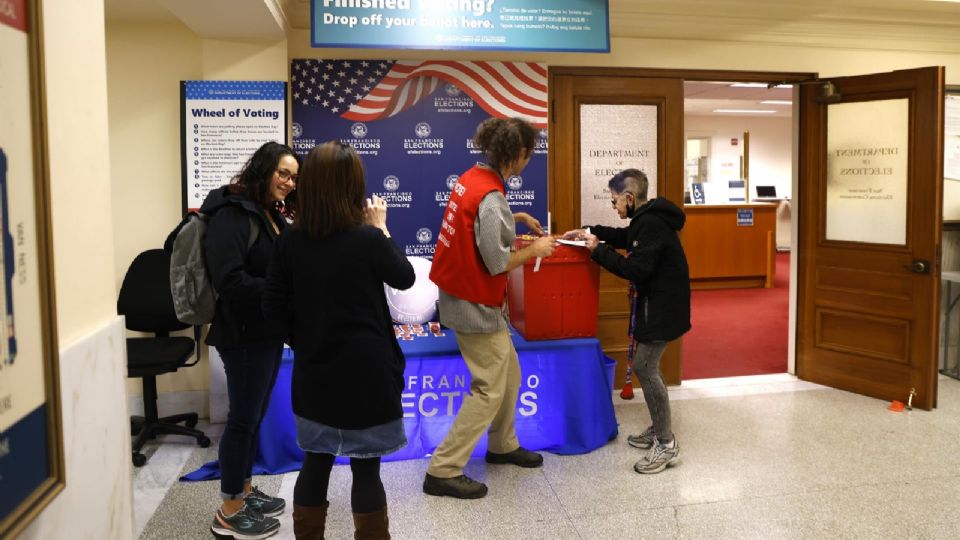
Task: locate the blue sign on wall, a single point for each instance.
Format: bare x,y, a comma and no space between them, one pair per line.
554,25
412,123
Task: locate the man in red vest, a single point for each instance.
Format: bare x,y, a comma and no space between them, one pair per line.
470,267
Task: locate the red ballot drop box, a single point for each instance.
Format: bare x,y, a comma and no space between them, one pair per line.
558,301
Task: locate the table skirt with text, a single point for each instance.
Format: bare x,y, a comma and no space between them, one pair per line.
565,404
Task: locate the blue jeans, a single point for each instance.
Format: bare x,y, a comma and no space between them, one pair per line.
251,372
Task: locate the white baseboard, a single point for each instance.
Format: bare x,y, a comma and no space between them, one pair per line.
169,403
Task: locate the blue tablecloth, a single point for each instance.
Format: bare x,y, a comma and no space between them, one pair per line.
565,404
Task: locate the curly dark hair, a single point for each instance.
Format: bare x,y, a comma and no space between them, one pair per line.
502,140
253,181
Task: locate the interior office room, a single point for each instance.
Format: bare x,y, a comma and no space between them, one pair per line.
739,155
764,457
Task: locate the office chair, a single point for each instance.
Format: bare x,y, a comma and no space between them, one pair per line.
147,305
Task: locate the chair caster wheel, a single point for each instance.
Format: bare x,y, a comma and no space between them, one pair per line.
139,460
203,442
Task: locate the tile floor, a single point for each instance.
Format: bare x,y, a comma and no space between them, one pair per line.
763,457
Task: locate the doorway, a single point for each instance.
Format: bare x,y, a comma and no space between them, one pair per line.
835,338
739,159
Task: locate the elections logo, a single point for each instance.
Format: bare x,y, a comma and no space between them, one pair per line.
422,130
452,90
517,196
358,130
418,304
391,183
297,130
424,235
452,181
543,133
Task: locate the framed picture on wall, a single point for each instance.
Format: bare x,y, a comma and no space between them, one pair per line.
31,440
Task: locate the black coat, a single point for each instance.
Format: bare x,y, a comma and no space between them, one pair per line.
328,293
656,265
238,274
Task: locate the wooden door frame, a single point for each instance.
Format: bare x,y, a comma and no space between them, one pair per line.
683,75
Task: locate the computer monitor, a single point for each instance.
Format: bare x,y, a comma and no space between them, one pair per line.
766,191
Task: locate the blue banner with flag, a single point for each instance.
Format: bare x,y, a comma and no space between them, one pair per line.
412,122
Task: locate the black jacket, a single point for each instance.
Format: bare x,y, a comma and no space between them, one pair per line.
655,264
328,292
237,273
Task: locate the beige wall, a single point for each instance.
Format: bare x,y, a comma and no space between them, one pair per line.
96,502
144,103
79,168
689,54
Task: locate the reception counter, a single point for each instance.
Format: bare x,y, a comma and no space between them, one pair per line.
731,245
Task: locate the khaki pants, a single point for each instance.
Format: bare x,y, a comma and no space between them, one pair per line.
495,383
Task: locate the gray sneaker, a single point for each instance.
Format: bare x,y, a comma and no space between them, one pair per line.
263,503
642,441
246,524
659,458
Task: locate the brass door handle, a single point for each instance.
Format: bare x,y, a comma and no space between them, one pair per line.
919,266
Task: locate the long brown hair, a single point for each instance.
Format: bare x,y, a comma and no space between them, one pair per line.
331,187
502,140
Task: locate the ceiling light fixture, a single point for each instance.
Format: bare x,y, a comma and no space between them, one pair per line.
749,111
776,102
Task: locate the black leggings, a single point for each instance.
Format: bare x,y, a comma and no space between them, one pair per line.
366,496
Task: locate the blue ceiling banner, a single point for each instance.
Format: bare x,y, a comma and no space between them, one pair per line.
412,123
511,25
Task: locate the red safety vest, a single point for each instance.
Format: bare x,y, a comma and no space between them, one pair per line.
458,268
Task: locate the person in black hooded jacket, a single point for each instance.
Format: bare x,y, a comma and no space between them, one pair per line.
656,267
249,345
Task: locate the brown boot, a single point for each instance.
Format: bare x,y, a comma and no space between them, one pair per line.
309,521
372,526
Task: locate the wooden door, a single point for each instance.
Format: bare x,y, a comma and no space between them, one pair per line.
573,98
871,174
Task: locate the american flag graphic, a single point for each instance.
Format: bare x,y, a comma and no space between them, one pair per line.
365,90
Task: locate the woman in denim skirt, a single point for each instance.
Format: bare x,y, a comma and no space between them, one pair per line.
325,285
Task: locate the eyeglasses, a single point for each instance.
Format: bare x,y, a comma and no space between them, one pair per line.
287,175
613,201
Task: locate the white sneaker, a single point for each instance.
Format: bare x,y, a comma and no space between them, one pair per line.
659,458
644,440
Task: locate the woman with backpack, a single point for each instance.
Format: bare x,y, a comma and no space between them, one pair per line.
244,220
325,284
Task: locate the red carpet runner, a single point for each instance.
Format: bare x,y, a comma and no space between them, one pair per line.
739,331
